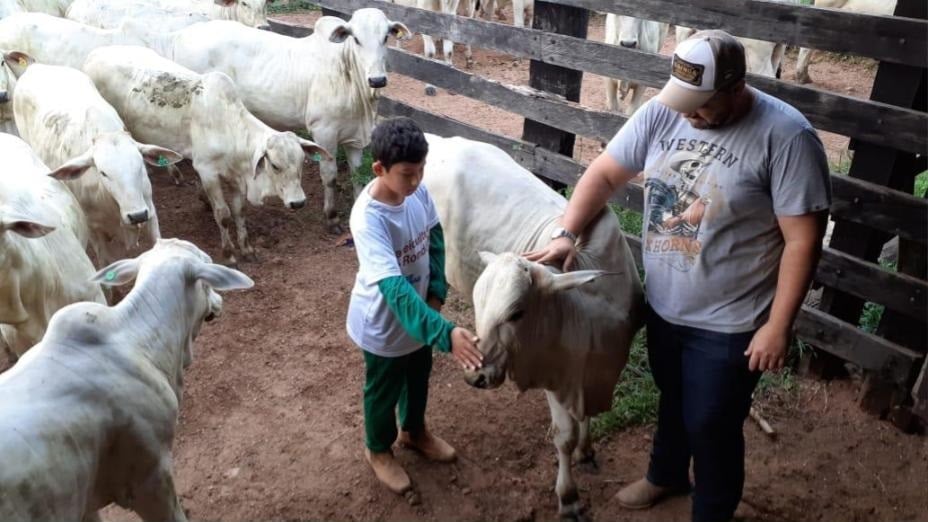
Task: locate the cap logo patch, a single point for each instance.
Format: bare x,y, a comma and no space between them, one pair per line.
688,72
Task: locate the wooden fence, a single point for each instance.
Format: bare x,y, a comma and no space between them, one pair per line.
889,136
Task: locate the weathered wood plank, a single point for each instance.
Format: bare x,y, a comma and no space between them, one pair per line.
893,39
868,121
880,207
906,294
530,103
289,29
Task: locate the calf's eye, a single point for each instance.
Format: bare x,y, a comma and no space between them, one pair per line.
515,316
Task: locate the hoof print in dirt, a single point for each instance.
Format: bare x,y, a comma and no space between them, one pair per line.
589,466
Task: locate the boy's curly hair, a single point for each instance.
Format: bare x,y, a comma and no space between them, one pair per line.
397,140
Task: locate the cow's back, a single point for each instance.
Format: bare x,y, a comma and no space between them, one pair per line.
52,40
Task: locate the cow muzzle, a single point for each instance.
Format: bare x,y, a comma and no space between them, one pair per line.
263,27
137,218
629,44
4,96
488,377
296,205
378,82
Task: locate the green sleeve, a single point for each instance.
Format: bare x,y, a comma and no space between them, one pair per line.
421,322
438,285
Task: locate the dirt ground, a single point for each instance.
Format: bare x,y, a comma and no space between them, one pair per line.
271,424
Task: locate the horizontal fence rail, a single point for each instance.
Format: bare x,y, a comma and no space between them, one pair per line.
833,335
870,121
858,201
888,38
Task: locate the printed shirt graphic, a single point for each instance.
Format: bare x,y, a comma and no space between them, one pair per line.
389,241
711,243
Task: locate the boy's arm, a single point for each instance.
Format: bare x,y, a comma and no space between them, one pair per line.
421,322
438,285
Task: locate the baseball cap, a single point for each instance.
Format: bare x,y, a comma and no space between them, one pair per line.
703,64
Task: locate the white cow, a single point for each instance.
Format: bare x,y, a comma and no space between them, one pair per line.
73,129
568,334
631,33
43,266
326,83
522,10
88,416
59,41
445,7
203,118
12,64
762,57
873,7
8,7
168,15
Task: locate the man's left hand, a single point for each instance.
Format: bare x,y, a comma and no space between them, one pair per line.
767,350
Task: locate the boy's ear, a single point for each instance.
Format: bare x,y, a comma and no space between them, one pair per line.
378,168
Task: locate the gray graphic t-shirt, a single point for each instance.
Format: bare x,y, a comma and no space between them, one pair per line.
711,243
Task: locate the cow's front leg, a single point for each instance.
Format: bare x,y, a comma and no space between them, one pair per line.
328,170
156,499
221,213
584,455
355,157
565,439
238,214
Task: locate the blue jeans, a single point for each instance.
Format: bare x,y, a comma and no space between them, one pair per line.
706,392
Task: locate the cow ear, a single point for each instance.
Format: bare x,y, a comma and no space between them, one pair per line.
311,147
260,163
74,168
400,31
225,3
487,257
340,33
551,283
158,156
118,273
222,278
18,61
26,227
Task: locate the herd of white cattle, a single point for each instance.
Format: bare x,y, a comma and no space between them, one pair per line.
97,94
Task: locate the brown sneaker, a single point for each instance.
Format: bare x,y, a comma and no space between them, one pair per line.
642,494
388,471
432,447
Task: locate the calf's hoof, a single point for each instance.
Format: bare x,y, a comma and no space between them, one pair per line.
588,465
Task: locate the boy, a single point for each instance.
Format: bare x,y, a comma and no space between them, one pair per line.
400,287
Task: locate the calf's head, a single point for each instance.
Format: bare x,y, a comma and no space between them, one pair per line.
368,31
277,168
120,162
201,279
252,13
514,301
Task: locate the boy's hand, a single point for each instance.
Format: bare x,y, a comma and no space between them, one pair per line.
434,303
464,349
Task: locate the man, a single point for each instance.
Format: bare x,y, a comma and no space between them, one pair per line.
736,196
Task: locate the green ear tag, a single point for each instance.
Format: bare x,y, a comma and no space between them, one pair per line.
111,275
317,157
162,161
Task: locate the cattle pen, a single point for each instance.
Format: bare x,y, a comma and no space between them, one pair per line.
873,201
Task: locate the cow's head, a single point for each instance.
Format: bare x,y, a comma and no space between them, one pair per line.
513,300
12,66
368,32
201,279
120,163
252,13
630,31
277,168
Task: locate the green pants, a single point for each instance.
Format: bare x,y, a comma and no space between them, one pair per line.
390,382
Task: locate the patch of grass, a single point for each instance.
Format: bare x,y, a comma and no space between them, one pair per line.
634,400
629,220
872,313
292,6
843,163
921,185
365,172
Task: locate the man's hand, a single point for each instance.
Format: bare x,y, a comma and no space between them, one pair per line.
559,251
767,350
434,303
464,349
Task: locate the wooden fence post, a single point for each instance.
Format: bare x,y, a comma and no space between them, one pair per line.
571,21
903,86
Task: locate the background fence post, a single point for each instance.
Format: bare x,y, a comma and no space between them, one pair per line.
571,21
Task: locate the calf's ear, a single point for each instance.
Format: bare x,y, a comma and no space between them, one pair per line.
487,257
74,168
222,278
18,61
118,273
400,31
340,33
158,156
550,283
311,147
24,226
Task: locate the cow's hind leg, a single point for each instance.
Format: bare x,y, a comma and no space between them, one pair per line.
156,498
584,455
565,439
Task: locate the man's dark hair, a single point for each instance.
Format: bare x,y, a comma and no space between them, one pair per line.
397,140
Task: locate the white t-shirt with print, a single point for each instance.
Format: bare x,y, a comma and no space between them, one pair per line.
390,241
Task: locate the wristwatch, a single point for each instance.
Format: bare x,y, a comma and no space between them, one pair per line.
563,232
